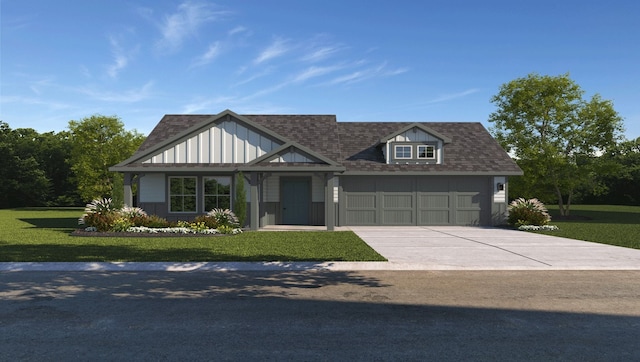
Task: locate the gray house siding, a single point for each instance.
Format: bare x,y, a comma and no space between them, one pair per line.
415,200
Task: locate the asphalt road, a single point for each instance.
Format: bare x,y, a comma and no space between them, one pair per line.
316,316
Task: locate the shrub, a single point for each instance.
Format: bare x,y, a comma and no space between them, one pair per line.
154,221
224,217
101,222
209,221
528,212
100,214
121,224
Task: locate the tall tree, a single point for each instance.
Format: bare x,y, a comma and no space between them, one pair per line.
553,132
99,142
22,182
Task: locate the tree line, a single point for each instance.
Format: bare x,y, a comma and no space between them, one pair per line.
67,168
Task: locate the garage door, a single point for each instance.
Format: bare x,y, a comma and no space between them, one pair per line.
416,200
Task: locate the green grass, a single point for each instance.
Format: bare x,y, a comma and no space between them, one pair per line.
42,235
606,224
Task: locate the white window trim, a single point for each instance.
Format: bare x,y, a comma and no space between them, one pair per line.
426,147
395,152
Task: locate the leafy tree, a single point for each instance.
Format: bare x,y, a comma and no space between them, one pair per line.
619,185
240,204
99,142
553,133
22,182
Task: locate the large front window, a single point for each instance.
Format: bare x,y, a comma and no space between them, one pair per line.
217,193
182,194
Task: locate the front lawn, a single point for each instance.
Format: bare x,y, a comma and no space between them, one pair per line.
606,224
42,235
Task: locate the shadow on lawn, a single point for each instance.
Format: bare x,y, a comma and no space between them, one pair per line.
94,252
62,224
597,217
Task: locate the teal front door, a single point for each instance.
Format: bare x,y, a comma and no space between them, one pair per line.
296,201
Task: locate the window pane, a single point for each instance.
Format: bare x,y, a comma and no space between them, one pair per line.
175,187
189,204
224,189
189,186
176,204
224,202
210,203
403,151
210,186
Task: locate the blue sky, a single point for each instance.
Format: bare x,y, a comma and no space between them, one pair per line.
360,60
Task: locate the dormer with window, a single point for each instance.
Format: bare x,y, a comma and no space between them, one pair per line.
414,144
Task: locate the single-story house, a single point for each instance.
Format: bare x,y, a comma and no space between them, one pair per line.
313,170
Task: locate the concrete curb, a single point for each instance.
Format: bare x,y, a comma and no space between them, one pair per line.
266,266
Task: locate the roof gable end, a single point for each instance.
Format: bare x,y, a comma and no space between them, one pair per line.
419,126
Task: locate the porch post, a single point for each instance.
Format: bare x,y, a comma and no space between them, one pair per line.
329,206
255,204
128,194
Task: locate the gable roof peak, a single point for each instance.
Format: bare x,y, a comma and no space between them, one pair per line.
421,126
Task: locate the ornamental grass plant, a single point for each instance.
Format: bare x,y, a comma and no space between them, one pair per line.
528,212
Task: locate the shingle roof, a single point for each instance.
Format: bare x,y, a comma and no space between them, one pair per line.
356,145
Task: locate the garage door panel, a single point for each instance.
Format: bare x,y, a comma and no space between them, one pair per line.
397,217
468,217
434,217
468,200
397,201
360,201
361,217
430,201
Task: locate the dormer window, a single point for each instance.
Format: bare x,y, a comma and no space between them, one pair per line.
402,151
427,152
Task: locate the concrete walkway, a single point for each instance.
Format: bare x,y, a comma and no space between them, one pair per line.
415,248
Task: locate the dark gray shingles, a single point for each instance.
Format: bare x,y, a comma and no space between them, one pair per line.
355,144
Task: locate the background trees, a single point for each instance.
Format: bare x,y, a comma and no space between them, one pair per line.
99,142
554,134
67,168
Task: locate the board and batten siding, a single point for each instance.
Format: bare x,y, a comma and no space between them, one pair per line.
225,142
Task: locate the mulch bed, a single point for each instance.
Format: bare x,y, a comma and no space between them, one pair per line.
80,232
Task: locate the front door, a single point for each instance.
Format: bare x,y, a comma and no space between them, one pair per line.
296,201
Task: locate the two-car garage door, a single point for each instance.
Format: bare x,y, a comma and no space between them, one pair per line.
415,200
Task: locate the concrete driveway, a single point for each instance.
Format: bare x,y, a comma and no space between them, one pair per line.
476,248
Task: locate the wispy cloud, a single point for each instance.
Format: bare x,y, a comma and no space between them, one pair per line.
277,48
237,30
37,86
185,22
211,53
314,71
253,77
451,96
120,60
34,101
367,73
127,96
319,54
